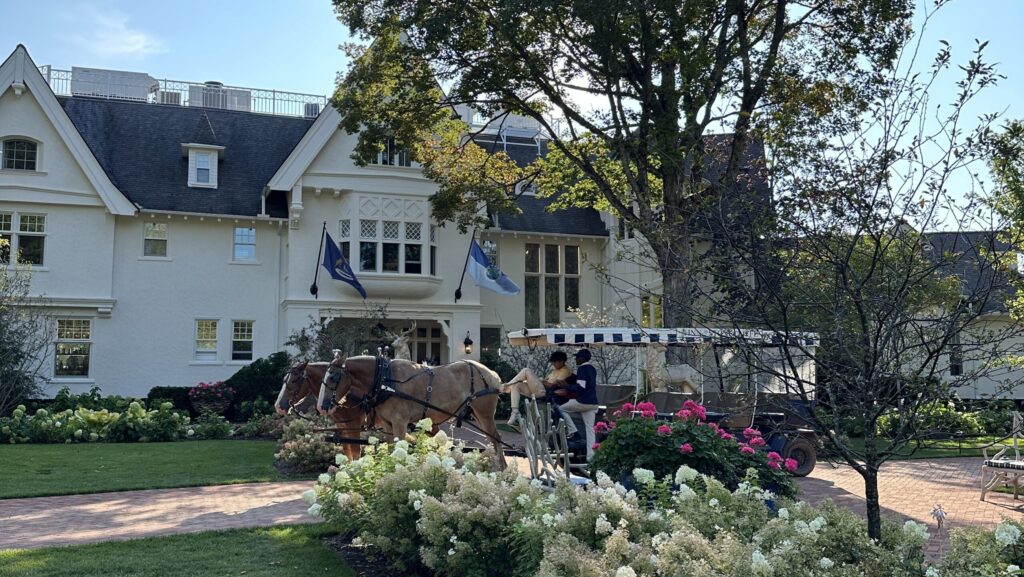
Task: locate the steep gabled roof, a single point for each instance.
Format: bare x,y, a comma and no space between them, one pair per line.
139,147
19,73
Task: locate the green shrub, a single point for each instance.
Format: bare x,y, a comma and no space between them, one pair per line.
262,427
177,396
978,552
937,419
260,379
302,450
257,408
210,426
995,417
87,425
92,400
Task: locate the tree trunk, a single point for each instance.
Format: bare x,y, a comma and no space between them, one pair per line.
677,291
870,475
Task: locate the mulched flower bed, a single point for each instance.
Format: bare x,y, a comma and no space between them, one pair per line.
355,557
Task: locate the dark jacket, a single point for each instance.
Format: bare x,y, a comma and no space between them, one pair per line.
585,384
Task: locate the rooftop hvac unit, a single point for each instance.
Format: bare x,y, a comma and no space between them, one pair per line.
311,109
172,97
112,84
214,95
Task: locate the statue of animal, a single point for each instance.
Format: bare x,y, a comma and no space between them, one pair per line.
400,343
453,390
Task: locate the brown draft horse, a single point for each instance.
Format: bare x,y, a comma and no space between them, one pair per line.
304,379
450,389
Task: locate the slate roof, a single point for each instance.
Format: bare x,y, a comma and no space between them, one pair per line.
737,209
536,217
961,254
139,147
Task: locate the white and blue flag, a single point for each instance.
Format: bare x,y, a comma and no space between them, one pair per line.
486,275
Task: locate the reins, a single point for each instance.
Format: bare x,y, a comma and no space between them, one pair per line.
382,375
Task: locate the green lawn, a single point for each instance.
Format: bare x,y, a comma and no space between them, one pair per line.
265,552
38,470
944,448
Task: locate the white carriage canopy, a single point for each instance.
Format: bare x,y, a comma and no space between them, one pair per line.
728,372
601,336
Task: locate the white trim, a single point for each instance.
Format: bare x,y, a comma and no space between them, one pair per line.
203,215
20,69
537,235
291,170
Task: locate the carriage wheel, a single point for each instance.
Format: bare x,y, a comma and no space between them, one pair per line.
803,452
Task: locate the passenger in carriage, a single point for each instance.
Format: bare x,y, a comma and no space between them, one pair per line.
526,383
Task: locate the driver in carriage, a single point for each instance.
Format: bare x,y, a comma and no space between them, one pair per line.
582,387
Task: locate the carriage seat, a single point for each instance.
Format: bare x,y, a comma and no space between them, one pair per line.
1005,464
615,395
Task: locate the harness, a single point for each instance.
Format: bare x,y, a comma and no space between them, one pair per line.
384,386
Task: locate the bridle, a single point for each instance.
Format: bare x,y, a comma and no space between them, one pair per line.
332,380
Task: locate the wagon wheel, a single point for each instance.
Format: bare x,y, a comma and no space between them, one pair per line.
803,452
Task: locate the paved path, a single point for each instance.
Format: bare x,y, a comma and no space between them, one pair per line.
910,489
79,519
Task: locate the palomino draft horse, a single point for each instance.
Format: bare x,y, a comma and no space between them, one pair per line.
304,379
399,392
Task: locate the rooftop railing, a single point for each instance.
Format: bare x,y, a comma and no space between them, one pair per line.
140,87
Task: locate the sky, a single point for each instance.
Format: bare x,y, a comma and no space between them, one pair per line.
293,45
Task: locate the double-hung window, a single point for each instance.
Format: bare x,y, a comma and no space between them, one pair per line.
206,340
203,167
154,239
25,236
244,245
241,341
74,341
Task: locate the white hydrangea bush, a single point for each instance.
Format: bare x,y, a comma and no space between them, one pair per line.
422,504
986,553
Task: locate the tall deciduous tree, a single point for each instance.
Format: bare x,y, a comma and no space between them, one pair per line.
886,245
627,91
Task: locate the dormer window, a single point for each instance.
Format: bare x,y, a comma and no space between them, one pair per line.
392,155
19,154
202,164
203,167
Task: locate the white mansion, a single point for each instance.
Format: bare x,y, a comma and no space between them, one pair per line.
173,229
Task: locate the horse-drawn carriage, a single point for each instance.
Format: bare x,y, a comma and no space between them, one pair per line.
738,394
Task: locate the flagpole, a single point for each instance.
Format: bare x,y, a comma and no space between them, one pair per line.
465,265
313,289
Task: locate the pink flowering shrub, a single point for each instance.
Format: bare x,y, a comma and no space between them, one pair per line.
633,438
211,397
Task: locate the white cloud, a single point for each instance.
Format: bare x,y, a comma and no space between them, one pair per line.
107,33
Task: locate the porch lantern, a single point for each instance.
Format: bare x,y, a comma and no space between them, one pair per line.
468,343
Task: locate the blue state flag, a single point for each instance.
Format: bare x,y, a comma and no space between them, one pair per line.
487,276
338,266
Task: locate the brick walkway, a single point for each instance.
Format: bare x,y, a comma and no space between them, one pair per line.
910,489
79,519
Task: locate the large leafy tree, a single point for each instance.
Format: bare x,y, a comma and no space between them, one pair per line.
627,91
